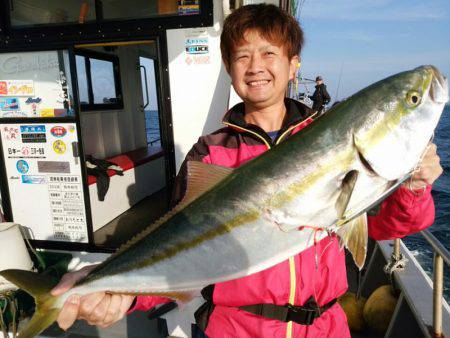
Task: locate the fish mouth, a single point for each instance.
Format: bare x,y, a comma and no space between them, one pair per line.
439,86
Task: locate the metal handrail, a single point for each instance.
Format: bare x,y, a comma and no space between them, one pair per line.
441,255
437,245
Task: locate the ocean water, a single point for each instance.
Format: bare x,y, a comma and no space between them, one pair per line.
152,128
441,194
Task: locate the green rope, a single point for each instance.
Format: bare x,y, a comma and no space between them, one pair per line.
4,300
9,303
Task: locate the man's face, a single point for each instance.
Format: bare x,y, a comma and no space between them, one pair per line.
260,71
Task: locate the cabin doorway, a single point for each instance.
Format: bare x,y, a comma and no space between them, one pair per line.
150,107
120,114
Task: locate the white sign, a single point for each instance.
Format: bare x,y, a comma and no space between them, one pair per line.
16,88
44,180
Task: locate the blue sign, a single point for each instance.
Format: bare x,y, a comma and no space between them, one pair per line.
32,129
22,166
33,179
9,103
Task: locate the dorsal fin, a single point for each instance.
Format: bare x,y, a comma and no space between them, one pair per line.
200,178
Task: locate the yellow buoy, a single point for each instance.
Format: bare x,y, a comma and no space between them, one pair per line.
379,309
353,309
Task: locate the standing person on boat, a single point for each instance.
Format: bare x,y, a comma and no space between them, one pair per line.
320,97
296,298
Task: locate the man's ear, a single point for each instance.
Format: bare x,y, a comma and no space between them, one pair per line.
293,66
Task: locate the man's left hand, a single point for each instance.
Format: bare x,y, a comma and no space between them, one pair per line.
428,170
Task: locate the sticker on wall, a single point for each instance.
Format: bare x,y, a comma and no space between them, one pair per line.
188,7
58,131
53,167
22,166
11,133
60,112
71,129
59,147
13,114
33,179
47,112
33,134
196,44
31,100
3,88
9,103
17,88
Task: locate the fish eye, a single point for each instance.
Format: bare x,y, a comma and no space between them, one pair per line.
413,98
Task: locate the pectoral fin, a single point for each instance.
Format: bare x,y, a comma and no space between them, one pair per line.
348,184
354,237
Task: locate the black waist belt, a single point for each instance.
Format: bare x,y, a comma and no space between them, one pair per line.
303,315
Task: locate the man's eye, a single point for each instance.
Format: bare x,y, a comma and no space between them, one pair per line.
270,53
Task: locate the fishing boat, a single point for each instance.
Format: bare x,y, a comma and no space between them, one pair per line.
99,103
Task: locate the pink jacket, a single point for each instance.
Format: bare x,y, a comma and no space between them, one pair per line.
298,278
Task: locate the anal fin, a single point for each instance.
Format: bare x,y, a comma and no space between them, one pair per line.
354,236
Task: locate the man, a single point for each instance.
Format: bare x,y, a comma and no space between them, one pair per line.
260,46
320,97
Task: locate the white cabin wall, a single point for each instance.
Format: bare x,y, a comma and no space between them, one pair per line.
110,132
199,92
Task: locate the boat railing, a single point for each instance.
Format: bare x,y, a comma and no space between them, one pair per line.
441,255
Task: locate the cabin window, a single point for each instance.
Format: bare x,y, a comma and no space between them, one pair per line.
149,96
99,83
43,12
149,8
38,12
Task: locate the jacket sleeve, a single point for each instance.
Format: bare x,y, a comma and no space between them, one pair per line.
198,152
326,96
145,303
403,213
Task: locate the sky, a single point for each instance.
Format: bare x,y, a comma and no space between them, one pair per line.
372,39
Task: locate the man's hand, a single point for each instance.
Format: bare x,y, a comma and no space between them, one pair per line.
100,308
428,171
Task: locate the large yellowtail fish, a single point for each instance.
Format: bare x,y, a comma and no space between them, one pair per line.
233,223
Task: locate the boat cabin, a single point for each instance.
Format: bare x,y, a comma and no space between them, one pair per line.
99,103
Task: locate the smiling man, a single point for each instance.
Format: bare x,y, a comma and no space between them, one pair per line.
260,45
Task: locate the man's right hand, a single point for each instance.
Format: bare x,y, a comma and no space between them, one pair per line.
99,308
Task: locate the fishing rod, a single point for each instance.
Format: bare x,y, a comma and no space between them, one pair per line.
339,81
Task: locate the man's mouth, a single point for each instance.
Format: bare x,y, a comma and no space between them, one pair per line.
258,83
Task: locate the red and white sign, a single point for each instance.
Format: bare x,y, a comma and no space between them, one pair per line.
58,131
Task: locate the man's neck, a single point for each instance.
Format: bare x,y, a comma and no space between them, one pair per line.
268,119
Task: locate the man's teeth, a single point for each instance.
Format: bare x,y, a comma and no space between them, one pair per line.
258,83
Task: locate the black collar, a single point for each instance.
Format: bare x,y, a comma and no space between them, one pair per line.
295,113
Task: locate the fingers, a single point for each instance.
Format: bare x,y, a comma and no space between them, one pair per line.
118,308
88,306
98,309
97,316
429,168
69,312
113,311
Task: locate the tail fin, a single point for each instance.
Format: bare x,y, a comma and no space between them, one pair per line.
39,287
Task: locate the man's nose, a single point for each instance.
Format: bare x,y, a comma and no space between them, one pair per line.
256,64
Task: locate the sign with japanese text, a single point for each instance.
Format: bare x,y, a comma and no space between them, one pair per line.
44,180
